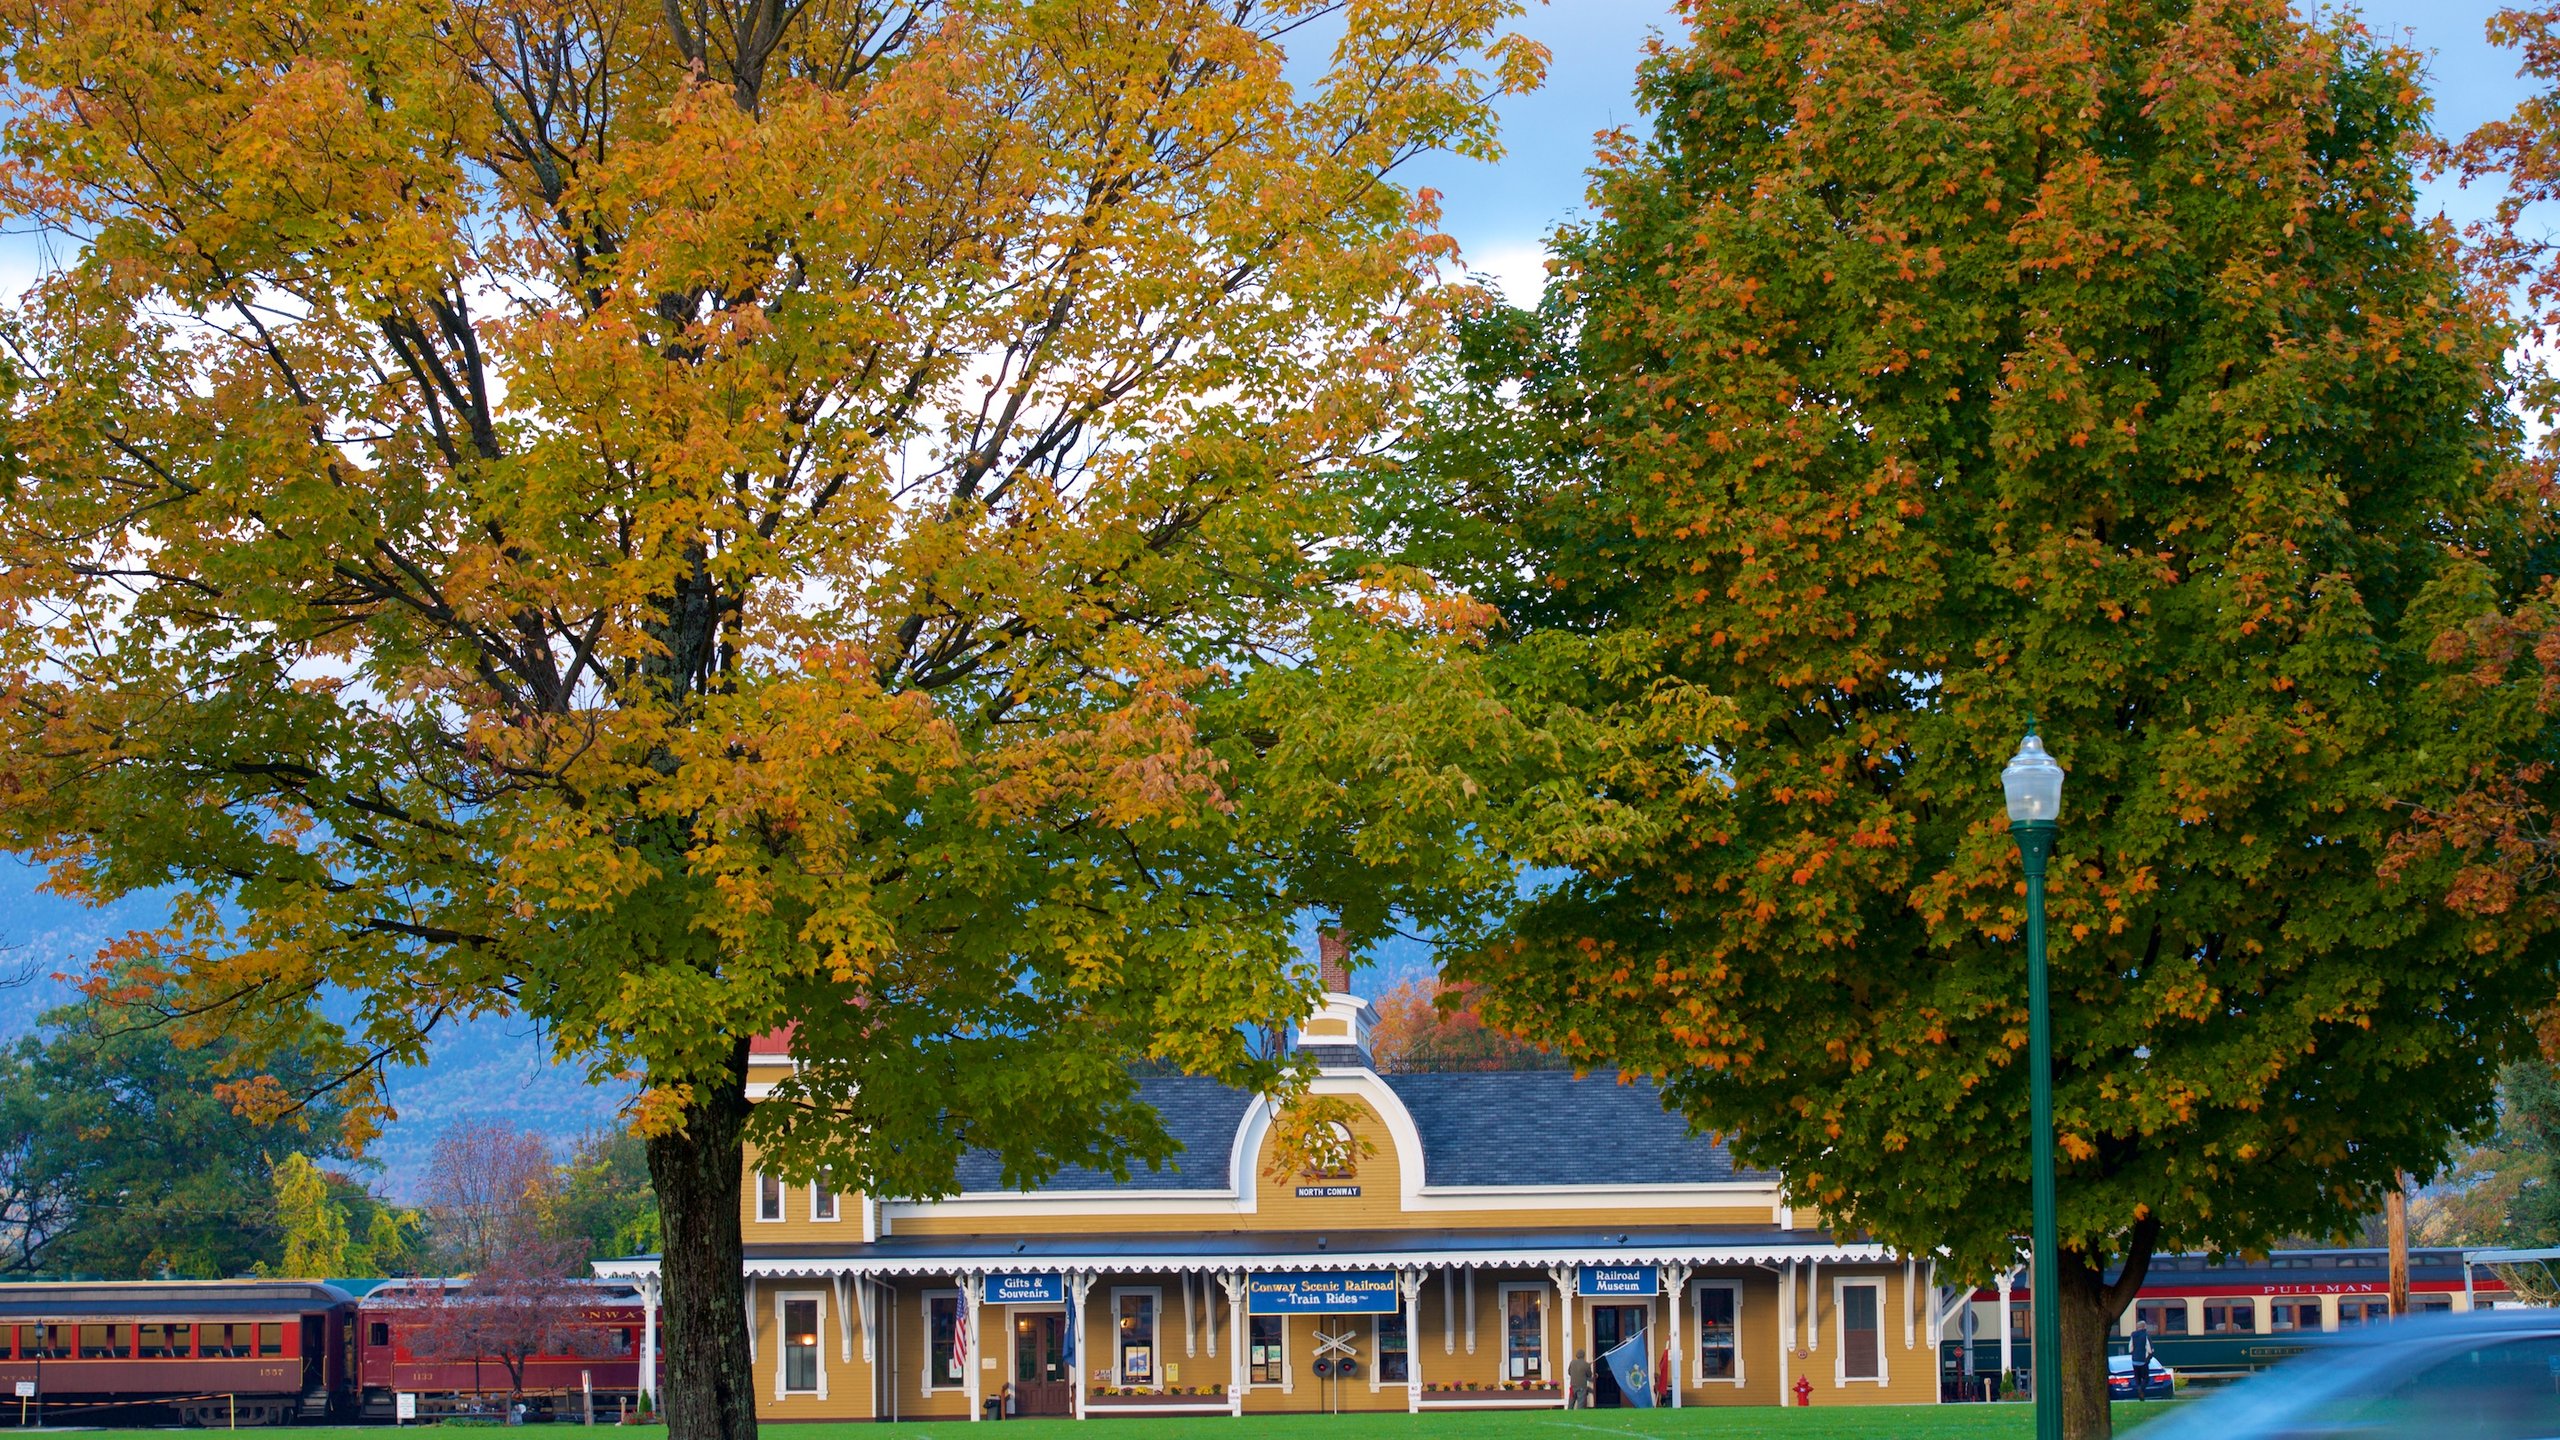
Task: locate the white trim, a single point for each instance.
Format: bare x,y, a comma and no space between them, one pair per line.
1134,1262
1841,1285
1545,1291
1155,1340
1287,1377
1697,1364
924,1309
782,1341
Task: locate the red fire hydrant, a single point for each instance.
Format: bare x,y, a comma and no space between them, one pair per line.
1804,1390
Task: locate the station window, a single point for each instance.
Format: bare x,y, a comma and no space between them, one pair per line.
2364,1310
2230,1317
105,1342
1524,1334
942,1340
164,1342
800,1346
2164,1317
2288,1315
270,1339
768,1196
822,1200
1719,1311
1266,1352
1138,1339
1392,1352
1861,1331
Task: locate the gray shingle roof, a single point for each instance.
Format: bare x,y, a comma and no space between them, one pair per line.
1544,1127
1201,1115
1499,1127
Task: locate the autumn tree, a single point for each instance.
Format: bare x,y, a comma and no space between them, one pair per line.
489,1188
677,519
1933,366
521,1303
1438,1024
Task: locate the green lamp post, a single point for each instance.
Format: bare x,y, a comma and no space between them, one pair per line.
2033,783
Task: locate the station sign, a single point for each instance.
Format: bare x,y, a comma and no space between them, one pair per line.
1049,1289
1612,1281
1323,1292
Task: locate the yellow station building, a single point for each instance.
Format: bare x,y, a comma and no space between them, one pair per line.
1505,1221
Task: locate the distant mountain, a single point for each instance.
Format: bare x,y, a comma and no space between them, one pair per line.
490,1069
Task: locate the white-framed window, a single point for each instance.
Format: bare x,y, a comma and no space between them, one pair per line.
800,1364
1134,1316
1857,1312
943,1362
1716,1347
768,1196
1524,1332
1266,1356
1391,1349
822,1201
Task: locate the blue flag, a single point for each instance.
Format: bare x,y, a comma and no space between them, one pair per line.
1069,1343
1634,1371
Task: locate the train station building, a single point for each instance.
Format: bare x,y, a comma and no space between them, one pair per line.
1502,1222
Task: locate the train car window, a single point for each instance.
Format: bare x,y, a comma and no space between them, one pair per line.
270,1339
163,1342
2363,1310
627,1340
2284,1315
2165,1317
106,1342
44,1342
216,1342
377,1333
2230,1317
2420,1304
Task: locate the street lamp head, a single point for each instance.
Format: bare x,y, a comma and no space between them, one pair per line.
2034,784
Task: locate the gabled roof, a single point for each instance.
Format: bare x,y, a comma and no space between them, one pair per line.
1546,1127
1506,1128
1201,1115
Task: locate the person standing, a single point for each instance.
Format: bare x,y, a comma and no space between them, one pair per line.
2141,1361
1577,1383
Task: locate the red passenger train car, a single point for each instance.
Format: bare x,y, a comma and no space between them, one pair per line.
211,1352
596,1352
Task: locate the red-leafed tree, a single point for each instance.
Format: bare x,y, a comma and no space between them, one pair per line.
1436,1024
521,1304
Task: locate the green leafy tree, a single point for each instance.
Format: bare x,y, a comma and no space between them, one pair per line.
680,517
317,1243
125,1157
603,1197
1935,365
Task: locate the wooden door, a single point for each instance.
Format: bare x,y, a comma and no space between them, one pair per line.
1612,1326
1041,1383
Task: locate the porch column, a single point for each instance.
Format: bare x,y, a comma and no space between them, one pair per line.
2007,1363
1471,1309
1559,1362
1079,1288
1449,1310
1411,1284
1786,1327
649,1339
1673,1355
1812,1307
972,1370
1239,1340
751,1319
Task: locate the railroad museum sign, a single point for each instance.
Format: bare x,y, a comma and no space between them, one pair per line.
1635,1281
1323,1292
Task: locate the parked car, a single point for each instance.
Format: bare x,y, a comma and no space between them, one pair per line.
2492,1376
2164,1381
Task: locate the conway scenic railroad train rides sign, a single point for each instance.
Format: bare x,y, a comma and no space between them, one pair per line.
1352,1292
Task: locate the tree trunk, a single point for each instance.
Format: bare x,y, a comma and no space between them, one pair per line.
698,1172
2088,1309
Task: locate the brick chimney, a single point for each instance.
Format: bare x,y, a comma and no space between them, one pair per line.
1341,1021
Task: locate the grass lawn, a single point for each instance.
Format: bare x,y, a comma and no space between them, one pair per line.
1838,1422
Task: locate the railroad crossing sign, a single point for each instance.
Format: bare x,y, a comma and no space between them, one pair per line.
1328,1346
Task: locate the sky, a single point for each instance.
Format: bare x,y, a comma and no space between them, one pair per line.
1500,213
